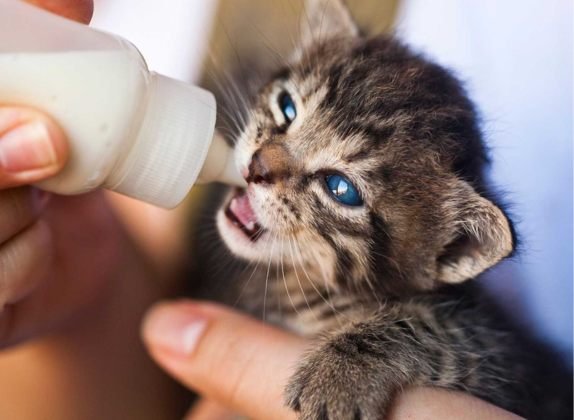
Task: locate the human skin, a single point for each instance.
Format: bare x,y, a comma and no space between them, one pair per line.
74,286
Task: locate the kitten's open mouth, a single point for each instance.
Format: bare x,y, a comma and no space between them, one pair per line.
240,214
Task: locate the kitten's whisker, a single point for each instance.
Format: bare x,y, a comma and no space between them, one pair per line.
277,294
336,312
216,79
329,304
238,97
294,44
226,130
285,281
374,291
231,94
242,105
392,261
321,22
278,57
231,122
232,45
267,276
299,281
323,274
305,54
242,291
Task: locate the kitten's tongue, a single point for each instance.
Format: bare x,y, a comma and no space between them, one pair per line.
242,210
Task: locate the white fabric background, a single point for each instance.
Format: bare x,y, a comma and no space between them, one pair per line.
172,35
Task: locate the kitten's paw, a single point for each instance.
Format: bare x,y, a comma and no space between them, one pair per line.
339,382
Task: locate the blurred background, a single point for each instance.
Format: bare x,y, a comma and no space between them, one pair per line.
515,58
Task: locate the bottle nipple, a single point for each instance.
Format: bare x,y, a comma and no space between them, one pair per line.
220,165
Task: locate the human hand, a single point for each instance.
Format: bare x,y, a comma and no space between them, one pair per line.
57,254
241,366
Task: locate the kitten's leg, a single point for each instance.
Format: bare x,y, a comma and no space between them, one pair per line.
355,373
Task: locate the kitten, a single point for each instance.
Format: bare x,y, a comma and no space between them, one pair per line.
365,214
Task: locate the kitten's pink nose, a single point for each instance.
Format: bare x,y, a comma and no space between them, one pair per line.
268,165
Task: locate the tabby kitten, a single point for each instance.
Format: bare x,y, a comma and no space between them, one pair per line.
365,211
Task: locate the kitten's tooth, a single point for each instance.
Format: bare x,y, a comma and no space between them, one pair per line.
250,226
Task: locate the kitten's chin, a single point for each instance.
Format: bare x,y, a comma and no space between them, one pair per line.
240,227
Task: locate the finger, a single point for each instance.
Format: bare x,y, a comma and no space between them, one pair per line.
19,208
79,10
56,297
32,146
436,403
227,357
23,260
208,409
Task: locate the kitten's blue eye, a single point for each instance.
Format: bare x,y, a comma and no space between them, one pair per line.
287,107
343,190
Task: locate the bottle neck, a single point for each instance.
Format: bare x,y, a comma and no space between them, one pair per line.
169,146
219,165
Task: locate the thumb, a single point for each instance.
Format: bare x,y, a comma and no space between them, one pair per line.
225,356
32,147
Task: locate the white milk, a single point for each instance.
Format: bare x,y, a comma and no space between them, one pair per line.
90,107
130,130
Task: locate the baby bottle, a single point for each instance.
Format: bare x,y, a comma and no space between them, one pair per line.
130,130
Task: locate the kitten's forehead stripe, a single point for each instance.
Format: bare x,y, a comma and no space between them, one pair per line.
378,89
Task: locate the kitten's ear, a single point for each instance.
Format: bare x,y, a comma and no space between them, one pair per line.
480,236
323,19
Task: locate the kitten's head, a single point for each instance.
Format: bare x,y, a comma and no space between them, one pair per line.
364,159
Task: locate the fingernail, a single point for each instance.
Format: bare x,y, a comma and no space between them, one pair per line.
174,327
27,147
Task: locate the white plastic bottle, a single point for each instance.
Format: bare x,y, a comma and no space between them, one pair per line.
130,130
